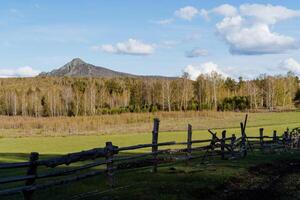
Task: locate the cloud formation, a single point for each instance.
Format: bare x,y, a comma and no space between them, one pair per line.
129,47
247,31
205,68
290,64
187,13
196,52
225,10
19,72
268,14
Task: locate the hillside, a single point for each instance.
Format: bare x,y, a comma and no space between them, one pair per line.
78,67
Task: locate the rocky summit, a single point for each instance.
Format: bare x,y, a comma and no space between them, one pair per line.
78,67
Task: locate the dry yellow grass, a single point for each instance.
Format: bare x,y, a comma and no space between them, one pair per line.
135,123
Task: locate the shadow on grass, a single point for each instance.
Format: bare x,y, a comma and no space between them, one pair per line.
177,181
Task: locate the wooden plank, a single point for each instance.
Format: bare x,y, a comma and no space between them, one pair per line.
14,165
74,157
141,146
16,179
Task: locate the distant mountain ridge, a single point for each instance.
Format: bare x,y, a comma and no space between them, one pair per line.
79,68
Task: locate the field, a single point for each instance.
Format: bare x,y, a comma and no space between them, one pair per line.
172,182
125,130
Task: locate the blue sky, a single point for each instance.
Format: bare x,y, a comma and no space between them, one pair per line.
234,38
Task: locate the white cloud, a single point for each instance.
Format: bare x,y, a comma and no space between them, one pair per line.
290,64
205,14
108,48
196,52
205,68
130,47
226,10
268,13
187,13
247,30
19,72
163,21
253,40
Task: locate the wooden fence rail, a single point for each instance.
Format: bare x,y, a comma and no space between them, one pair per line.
225,147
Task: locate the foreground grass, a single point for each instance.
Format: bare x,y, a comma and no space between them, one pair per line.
185,182
176,181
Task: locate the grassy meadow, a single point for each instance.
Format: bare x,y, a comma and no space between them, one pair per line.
50,135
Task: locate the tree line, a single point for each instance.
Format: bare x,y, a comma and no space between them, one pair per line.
70,96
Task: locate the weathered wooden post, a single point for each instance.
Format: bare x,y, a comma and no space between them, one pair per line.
261,138
213,142
275,136
32,170
232,143
290,138
285,139
223,140
243,145
154,143
189,143
286,135
109,151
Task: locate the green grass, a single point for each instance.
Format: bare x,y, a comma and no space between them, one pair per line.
176,181
184,183
67,144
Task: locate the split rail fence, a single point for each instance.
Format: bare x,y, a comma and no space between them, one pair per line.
223,147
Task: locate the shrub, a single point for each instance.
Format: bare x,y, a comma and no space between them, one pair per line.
236,103
297,99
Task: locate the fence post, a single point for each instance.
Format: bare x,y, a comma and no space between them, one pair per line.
213,143
285,136
275,136
243,145
285,139
290,138
32,170
232,143
189,143
223,144
154,143
109,149
261,138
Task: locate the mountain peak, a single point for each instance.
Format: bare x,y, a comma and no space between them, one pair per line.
77,61
79,68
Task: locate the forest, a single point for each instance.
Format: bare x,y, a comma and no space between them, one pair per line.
88,96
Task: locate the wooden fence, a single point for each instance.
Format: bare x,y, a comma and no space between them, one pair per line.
225,147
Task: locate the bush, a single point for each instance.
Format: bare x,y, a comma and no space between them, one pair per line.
193,106
236,103
153,108
297,99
